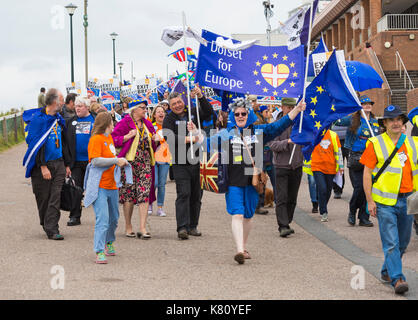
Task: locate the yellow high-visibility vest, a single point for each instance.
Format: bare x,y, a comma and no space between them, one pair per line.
386,188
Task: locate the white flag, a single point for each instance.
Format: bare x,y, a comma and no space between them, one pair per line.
172,34
293,28
228,44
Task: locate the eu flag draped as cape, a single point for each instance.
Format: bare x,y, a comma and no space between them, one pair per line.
39,126
329,97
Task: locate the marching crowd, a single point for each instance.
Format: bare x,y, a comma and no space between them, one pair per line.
126,160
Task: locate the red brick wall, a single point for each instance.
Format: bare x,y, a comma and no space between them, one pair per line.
412,99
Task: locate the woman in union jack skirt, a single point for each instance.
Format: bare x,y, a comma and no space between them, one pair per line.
241,197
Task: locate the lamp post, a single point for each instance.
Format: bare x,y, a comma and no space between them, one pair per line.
71,8
120,64
113,35
268,13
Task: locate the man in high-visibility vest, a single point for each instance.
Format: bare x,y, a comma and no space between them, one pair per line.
386,197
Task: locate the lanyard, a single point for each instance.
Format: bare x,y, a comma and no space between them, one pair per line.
55,128
141,133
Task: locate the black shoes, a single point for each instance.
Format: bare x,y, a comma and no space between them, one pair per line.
351,219
182,234
73,222
416,227
56,236
337,195
401,287
194,232
365,223
315,207
261,211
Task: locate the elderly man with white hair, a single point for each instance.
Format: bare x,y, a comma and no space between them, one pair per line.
78,136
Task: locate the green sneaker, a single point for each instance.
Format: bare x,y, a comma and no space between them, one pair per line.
110,249
101,258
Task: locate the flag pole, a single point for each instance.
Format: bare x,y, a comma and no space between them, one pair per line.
307,62
306,75
187,80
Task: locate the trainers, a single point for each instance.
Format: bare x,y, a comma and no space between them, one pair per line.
324,217
101,258
285,232
110,249
194,232
183,235
160,212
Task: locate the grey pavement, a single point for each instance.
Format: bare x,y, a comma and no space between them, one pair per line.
318,262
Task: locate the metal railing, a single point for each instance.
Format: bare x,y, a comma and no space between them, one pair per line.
401,66
398,22
382,73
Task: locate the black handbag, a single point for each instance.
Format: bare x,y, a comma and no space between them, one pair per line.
71,195
353,161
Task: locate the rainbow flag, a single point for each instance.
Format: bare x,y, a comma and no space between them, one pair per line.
181,56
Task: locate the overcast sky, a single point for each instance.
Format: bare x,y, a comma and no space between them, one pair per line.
36,38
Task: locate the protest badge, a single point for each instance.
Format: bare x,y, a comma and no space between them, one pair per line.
93,87
110,91
73,87
320,59
266,71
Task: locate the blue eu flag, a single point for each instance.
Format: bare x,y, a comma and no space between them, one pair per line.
329,97
228,97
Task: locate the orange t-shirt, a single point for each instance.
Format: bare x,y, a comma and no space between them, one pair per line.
369,159
101,146
162,154
323,158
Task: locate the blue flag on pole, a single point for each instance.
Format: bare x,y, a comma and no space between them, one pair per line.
266,71
329,97
363,76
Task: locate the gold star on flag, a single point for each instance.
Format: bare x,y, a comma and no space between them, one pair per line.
319,89
264,57
318,124
258,82
258,63
333,107
292,64
313,113
275,55
314,100
324,132
295,74
285,58
265,89
255,72
292,84
275,93
284,91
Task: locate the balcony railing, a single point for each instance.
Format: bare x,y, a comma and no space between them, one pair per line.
398,22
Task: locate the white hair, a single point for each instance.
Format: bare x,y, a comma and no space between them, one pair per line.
82,100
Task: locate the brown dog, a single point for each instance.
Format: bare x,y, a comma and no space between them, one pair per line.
268,198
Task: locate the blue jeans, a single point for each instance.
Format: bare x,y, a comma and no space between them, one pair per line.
106,209
312,188
324,186
161,171
395,228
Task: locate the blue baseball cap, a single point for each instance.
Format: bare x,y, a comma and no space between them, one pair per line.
262,108
366,99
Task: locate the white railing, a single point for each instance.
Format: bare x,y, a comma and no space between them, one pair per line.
398,22
401,66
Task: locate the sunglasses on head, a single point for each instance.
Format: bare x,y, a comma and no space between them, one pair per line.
242,114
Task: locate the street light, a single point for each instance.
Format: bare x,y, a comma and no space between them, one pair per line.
268,13
113,35
120,64
71,8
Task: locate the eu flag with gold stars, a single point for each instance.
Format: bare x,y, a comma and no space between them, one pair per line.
329,97
258,70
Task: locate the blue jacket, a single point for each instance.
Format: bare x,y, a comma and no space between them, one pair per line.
94,175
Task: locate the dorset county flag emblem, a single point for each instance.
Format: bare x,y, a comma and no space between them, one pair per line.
275,75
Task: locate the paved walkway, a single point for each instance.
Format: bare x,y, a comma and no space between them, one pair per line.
315,263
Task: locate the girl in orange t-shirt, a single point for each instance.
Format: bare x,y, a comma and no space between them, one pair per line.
325,164
102,153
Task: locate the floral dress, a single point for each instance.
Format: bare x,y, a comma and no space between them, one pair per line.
139,191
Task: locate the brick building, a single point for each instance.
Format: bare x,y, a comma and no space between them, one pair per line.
381,33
